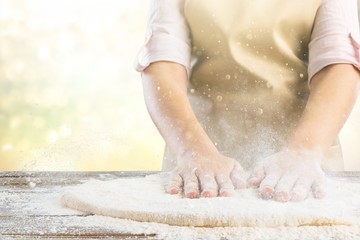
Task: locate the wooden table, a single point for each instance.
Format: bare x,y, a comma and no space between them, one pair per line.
22,215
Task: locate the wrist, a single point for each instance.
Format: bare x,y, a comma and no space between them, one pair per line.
304,150
307,141
198,153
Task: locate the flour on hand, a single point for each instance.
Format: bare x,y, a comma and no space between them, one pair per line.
144,200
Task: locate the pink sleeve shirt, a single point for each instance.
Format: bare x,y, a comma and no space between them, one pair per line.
335,37
167,37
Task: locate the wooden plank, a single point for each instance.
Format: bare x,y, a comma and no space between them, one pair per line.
73,173
111,175
346,176
66,178
60,178
32,201
95,237
63,227
72,237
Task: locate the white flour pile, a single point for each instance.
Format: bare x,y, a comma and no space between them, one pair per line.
144,200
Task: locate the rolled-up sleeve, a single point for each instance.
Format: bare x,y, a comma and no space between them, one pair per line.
167,37
335,37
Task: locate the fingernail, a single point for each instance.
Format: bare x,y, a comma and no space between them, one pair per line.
173,191
226,194
208,194
192,195
267,192
282,196
253,182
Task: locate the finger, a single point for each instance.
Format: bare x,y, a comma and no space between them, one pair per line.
301,189
175,184
267,186
283,187
191,185
208,186
226,187
319,187
237,176
256,177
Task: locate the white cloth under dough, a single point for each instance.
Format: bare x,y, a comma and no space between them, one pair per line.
144,200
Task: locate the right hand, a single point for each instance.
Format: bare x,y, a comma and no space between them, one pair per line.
206,176
290,175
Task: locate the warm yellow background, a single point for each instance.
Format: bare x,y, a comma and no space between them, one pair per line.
69,96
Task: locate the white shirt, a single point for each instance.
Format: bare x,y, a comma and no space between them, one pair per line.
335,37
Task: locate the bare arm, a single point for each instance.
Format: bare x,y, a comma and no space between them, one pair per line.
165,90
198,161
291,173
334,91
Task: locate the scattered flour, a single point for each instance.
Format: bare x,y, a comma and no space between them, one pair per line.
168,232
140,205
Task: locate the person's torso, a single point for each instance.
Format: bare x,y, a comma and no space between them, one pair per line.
248,85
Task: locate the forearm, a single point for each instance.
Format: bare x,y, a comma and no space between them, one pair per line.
332,96
165,93
293,172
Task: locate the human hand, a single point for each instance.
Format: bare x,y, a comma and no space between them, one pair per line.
206,176
289,175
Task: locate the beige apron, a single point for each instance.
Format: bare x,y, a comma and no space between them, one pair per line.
248,85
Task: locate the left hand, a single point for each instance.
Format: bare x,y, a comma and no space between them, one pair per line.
289,175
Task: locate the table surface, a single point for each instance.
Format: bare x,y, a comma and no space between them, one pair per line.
23,217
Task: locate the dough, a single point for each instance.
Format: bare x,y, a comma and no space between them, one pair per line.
143,199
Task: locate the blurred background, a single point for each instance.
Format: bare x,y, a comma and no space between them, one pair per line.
69,96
